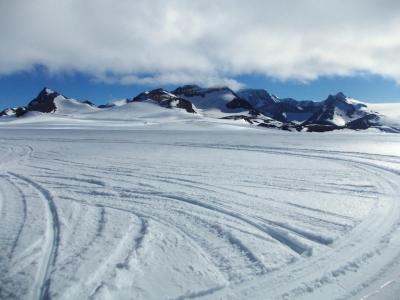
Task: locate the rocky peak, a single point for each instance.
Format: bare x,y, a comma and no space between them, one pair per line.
195,90
158,95
46,95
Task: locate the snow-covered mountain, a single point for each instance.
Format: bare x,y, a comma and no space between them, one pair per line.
49,101
44,102
284,110
336,112
254,106
339,110
217,102
213,102
165,99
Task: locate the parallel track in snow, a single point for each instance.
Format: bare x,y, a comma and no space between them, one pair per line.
14,154
53,232
362,244
240,234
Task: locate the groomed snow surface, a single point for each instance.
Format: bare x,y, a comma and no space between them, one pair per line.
189,208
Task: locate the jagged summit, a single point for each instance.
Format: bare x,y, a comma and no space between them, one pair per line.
340,95
156,95
343,98
338,110
284,110
258,97
44,101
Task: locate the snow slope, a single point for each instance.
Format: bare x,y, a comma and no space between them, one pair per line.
390,113
161,204
117,103
71,106
211,102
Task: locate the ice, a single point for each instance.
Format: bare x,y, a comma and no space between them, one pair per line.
143,202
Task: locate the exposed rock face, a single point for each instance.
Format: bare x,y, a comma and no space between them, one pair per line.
264,121
195,90
239,103
165,99
44,102
158,95
283,126
89,103
8,112
322,128
339,110
364,122
20,111
220,97
284,110
16,111
178,103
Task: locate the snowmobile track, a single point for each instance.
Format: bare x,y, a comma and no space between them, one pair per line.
343,256
51,254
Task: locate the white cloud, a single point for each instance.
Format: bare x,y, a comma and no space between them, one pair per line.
205,42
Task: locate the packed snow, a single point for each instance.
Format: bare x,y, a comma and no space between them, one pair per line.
143,202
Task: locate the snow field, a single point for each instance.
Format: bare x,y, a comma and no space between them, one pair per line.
156,213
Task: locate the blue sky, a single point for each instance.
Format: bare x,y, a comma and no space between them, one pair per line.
107,50
18,89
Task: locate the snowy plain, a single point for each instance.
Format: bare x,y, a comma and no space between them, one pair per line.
140,202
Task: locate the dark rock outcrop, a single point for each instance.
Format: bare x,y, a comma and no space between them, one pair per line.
337,107
239,103
178,103
279,109
89,103
195,90
8,112
44,102
322,128
364,122
165,99
158,95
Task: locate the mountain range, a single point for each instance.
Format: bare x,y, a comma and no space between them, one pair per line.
255,106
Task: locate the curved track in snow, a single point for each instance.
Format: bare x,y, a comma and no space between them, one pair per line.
367,244
51,232
124,216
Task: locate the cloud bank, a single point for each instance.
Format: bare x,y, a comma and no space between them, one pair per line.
205,42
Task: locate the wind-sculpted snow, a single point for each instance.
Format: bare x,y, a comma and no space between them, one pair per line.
154,212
